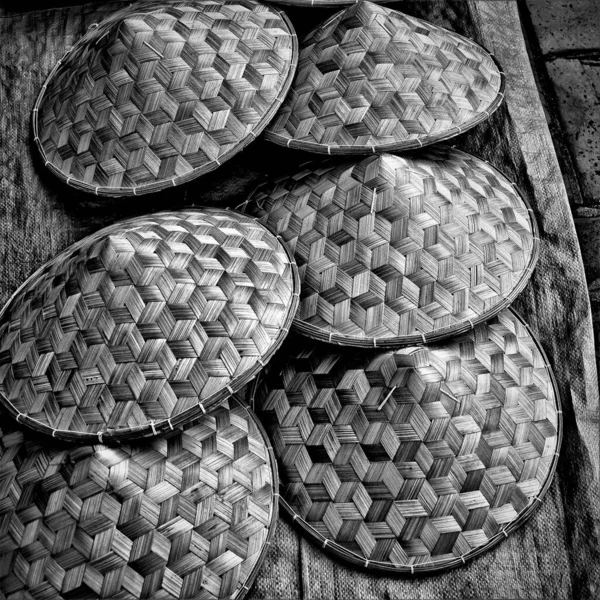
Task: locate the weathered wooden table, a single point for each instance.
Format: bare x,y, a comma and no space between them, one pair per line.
555,554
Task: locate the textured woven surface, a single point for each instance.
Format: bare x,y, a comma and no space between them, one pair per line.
186,516
324,3
145,324
163,92
417,459
556,555
371,78
396,250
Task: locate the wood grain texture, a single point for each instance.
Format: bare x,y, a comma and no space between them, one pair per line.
373,79
186,516
417,460
160,93
401,249
145,324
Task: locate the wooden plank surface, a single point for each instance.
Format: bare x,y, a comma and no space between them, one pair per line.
556,553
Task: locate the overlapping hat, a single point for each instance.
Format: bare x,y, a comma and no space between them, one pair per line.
418,459
405,249
400,458
372,79
162,92
145,325
188,515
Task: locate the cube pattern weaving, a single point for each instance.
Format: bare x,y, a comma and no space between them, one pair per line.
371,78
186,516
161,93
401,249
145,324
418,459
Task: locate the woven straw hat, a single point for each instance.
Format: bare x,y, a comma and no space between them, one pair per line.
163,92
372,79
186,516
145,325
415,460
394,250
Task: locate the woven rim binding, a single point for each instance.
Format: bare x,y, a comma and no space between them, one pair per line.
101,503
335,549
158,426
99,31
274,135
326,3
255,207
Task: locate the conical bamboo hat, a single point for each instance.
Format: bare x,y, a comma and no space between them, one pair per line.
162,92
145,325
371,79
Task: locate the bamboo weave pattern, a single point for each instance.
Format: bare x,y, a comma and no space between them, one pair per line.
186,516
371,79
419,458
161,92
395,250
325,3
145,324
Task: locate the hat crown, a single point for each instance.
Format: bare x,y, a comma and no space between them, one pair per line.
159,94
401,249
372,78
145,324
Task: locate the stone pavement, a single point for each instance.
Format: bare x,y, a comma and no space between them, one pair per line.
564,40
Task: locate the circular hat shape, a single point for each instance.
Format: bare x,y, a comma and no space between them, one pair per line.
163,92
394,250
145,324
372,79
187,516
419,459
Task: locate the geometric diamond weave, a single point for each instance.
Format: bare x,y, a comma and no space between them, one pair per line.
419,459
187,516
371,78
401,249
161,93
145,324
